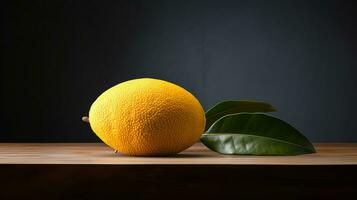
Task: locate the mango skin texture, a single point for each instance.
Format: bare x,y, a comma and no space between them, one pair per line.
147,117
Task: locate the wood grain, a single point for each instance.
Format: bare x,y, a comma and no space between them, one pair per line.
97,153
94,171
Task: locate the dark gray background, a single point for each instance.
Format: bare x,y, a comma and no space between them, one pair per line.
58,56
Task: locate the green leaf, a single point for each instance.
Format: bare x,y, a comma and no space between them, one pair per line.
255,134
230,107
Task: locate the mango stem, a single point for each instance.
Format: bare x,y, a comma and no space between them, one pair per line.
85,119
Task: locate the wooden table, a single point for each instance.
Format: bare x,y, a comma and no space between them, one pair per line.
86,170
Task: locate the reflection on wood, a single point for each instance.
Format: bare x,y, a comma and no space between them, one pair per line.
97,153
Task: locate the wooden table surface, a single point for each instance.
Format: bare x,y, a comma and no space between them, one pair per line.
98,153
93,170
